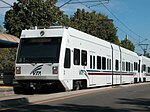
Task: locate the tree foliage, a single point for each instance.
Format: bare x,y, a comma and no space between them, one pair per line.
7,57
95,24
147,55
126,43
26,14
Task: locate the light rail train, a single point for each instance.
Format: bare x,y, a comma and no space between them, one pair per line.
71,59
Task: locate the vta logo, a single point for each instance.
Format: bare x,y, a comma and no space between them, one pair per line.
37,70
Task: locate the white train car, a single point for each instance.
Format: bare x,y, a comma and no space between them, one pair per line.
144,70
68,58
125,65
62,56
129,66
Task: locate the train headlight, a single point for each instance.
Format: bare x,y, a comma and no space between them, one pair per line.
18,70
55,70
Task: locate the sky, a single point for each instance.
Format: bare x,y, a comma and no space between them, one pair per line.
130,17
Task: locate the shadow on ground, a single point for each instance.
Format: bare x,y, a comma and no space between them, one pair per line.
46,90
141,104
52,107
66,108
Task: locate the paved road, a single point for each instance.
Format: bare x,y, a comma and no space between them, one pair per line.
119,99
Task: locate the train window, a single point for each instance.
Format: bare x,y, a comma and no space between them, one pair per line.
117,65
143,67
84,57
139,66
91,61
131,67
135,66
103,63
98,62
67,61
76,57
148,69
123,66
108,64
127,66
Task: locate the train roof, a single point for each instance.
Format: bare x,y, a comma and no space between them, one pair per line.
43,32
55,31
76,33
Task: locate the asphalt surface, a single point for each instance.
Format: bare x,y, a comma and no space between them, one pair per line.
128,98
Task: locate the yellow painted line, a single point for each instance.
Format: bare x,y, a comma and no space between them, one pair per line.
60,98
5,87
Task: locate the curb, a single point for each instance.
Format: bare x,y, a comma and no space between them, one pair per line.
6,89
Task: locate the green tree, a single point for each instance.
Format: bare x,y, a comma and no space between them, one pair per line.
7,59
147,55
95,24
126,43
26,14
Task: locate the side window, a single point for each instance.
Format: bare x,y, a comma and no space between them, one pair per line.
126,66
84,57
67,61
108,64
135,66
76,57
91,61
139,66
143,67
117,65
123,66
98,62
131,67
103,63
148,69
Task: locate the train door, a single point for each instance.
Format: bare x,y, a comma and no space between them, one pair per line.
117,77
116,54
92,68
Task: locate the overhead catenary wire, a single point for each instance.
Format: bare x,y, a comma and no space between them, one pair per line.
6,3
77,2
120,20
99,2
124,25
65,3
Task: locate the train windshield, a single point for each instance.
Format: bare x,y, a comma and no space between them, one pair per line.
39,50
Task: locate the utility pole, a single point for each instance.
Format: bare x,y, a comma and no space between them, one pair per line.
143,46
